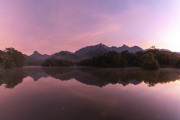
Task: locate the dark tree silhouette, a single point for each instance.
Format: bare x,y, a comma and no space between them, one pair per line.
149,62
53,62
11,58
150,59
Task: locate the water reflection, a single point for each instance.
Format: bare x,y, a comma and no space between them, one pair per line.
11,77
62,94
91,76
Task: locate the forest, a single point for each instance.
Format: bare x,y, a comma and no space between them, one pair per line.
53,62
11,58
151,59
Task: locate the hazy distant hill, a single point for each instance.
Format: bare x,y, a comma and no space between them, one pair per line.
35,59
66,55
86,52
39,56
91,51
125,47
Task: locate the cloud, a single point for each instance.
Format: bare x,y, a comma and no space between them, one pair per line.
53,25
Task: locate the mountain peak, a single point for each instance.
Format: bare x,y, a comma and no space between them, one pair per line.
124,45
36,52
86,52
39,56
101,45
64,52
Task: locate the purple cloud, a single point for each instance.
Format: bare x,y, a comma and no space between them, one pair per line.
53,25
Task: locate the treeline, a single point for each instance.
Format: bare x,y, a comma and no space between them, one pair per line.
11,58
54,62
151,59
32,61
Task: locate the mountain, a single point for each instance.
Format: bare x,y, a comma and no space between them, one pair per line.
125,47
86,52
91,51
135,49
39,56
66,55
35,59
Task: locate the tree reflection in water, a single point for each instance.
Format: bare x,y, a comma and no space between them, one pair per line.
91,76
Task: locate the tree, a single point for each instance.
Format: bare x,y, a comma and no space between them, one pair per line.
109,59
11,58
149,62
167,58
131,59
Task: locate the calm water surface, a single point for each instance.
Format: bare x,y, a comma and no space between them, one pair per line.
35,93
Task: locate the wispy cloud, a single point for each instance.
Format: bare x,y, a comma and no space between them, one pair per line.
53,25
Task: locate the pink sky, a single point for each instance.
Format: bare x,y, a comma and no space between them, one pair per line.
50,26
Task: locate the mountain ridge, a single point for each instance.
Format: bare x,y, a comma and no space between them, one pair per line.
85,52
39,56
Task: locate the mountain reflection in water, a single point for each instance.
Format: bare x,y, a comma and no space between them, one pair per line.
91,76
84,93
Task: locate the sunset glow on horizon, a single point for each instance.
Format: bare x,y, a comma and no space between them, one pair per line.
49,26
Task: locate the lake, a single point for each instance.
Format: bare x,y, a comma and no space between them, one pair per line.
36,93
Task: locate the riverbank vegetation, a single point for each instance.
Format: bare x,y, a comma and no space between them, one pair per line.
150,59
11,58
54,62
